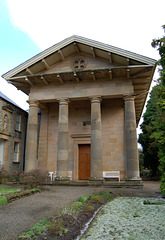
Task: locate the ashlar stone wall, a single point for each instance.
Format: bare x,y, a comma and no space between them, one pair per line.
112,115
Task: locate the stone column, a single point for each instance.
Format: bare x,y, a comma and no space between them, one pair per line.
31,139
131,139
96,139
62,154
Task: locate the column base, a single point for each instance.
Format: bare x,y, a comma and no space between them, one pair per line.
134,179
134,182
95,181
62,179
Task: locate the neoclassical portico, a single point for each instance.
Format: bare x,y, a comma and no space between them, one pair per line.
91,96
131,151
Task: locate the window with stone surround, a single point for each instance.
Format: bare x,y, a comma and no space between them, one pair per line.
16,157
18,123
5,122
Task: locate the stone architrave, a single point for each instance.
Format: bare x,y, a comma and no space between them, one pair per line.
131,140
62,154
96,139
31,139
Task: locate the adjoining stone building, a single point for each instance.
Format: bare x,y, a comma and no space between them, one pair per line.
91,96
13,123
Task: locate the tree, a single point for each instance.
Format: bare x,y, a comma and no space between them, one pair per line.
153,127
149,144
159,134
141,160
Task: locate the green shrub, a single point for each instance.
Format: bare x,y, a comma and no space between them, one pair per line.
105,195
37,230
40,226
57,227
70,210
14,176
3,200
27,235
78,204
96,199
3,177
88,207
83,199
34,178
162,186
148,202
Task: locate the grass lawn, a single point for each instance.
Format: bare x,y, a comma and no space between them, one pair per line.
6,190
8,194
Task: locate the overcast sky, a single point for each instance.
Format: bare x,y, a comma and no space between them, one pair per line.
30,26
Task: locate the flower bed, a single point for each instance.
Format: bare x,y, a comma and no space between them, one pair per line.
68,223
10,194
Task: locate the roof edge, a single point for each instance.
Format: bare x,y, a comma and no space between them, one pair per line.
3,96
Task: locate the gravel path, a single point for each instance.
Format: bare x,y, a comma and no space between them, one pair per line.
18,216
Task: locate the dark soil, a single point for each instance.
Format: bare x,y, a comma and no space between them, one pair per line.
73,224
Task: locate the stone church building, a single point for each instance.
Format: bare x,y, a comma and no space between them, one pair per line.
13,122
91,96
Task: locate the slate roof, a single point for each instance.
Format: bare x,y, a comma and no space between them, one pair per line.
3,96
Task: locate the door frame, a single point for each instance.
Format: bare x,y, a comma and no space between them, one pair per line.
78,140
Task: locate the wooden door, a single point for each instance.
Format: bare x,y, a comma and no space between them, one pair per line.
84,162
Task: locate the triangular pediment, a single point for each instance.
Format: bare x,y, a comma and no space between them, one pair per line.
73,45
58,59
78,62
78,59
8,108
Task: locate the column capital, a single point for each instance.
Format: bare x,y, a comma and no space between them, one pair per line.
63,101
96,99
33,103
129,97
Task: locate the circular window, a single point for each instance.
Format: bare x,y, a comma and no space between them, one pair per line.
79,63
